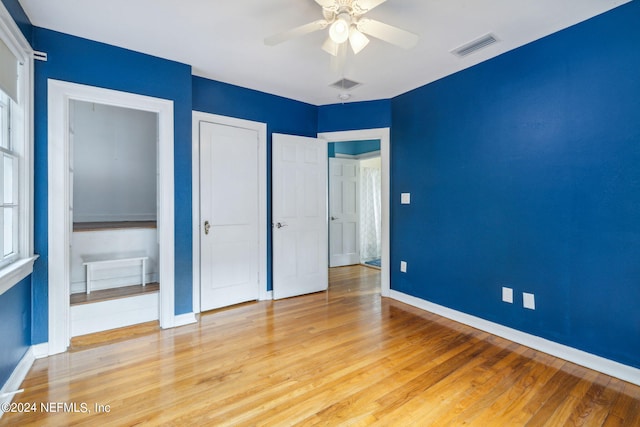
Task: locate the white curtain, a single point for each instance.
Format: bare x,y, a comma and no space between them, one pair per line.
370,214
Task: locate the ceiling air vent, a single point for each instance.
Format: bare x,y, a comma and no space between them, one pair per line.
475,45
345,84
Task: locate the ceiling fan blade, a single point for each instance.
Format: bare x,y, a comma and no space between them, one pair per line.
357,40
388,33
326,3
367,5
330,47
296,32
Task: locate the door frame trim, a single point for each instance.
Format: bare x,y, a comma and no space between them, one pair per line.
384,135
261,129
59,193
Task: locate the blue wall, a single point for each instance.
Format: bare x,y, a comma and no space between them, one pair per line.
354,116
82,61
353,148
15,332
281,115
524,172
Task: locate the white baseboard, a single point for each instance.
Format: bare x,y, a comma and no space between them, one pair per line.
41,351
588,360
16,378
184,319
266,296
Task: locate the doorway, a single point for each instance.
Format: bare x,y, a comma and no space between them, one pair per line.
383,135
113,209
60,177
355,235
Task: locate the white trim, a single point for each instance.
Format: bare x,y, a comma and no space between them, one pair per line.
13,274
591,361
363,156
13,37
15,380
383,134
261,129
59,221
40,351
266,296
185,319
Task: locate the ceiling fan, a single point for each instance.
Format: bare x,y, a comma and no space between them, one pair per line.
346,21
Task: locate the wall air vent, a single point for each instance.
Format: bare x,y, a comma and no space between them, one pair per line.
344,84
475,45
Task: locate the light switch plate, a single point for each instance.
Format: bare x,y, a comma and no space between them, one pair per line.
405,198
507,295
528,301
403,266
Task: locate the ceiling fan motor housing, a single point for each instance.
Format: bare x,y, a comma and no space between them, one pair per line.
339,31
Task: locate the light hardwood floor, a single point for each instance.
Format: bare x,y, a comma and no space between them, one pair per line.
344,357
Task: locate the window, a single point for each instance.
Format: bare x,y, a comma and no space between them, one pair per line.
16,164
9,194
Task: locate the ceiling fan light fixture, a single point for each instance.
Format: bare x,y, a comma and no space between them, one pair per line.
357,40
340,29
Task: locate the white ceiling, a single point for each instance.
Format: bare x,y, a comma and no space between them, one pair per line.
223,40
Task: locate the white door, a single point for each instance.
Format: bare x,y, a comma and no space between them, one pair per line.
229,220
344,212
299,216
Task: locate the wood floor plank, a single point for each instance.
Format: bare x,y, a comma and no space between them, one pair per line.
437,400
341,357
112,225
627,406
503,399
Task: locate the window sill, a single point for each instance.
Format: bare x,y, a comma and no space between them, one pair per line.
12,274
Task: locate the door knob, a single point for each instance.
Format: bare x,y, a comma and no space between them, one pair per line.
207,226
280,225
333,218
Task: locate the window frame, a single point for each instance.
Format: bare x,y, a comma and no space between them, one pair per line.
21,121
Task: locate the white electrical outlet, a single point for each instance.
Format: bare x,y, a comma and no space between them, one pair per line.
528,301
507,295
403,266
405,198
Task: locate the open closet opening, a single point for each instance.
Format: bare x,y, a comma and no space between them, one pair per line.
114,253
109,314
